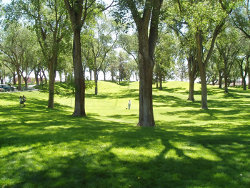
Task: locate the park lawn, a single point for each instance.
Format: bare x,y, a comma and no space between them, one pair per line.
189,147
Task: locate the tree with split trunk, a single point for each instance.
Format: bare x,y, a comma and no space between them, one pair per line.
80,11
206,20
146,17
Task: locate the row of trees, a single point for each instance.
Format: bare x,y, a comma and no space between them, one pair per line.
208,40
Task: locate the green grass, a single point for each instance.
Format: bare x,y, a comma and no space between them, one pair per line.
189,147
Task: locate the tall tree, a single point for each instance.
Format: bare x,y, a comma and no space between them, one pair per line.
80,11
146,17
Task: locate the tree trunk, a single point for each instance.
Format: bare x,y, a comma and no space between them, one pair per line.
234,82
156,81
104,75
192,70
96,80
1,79
44,75
248,71
90,74
14,78
37,78
52,75
249,78
146,65
191,89
26,82
79,75
225,75
41,78
147,27
160,80
19,87
226,83
202,68
220,79
244,84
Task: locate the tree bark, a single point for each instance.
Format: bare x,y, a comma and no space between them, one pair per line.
248,71
37,77
191,89
79,75
25,79
14,78
220,79
202,68
90,74
192,71
44,75
156,81
225,75
244,83
146,64
104,75
160,77
147,27
96,81
41,78
226,83
19,77
52,75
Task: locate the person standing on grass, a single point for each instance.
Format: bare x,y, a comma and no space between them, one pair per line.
22,100
129,104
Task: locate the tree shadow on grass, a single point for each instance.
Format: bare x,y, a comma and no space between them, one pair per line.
50,148
181,160
173,101
130,93
61,151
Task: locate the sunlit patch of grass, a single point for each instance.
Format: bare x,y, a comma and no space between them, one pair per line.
189,147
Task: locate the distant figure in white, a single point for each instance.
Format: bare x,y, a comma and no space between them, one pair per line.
129,104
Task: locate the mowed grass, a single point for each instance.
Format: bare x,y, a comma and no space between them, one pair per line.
189,147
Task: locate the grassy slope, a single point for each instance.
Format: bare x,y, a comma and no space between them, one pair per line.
188,148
